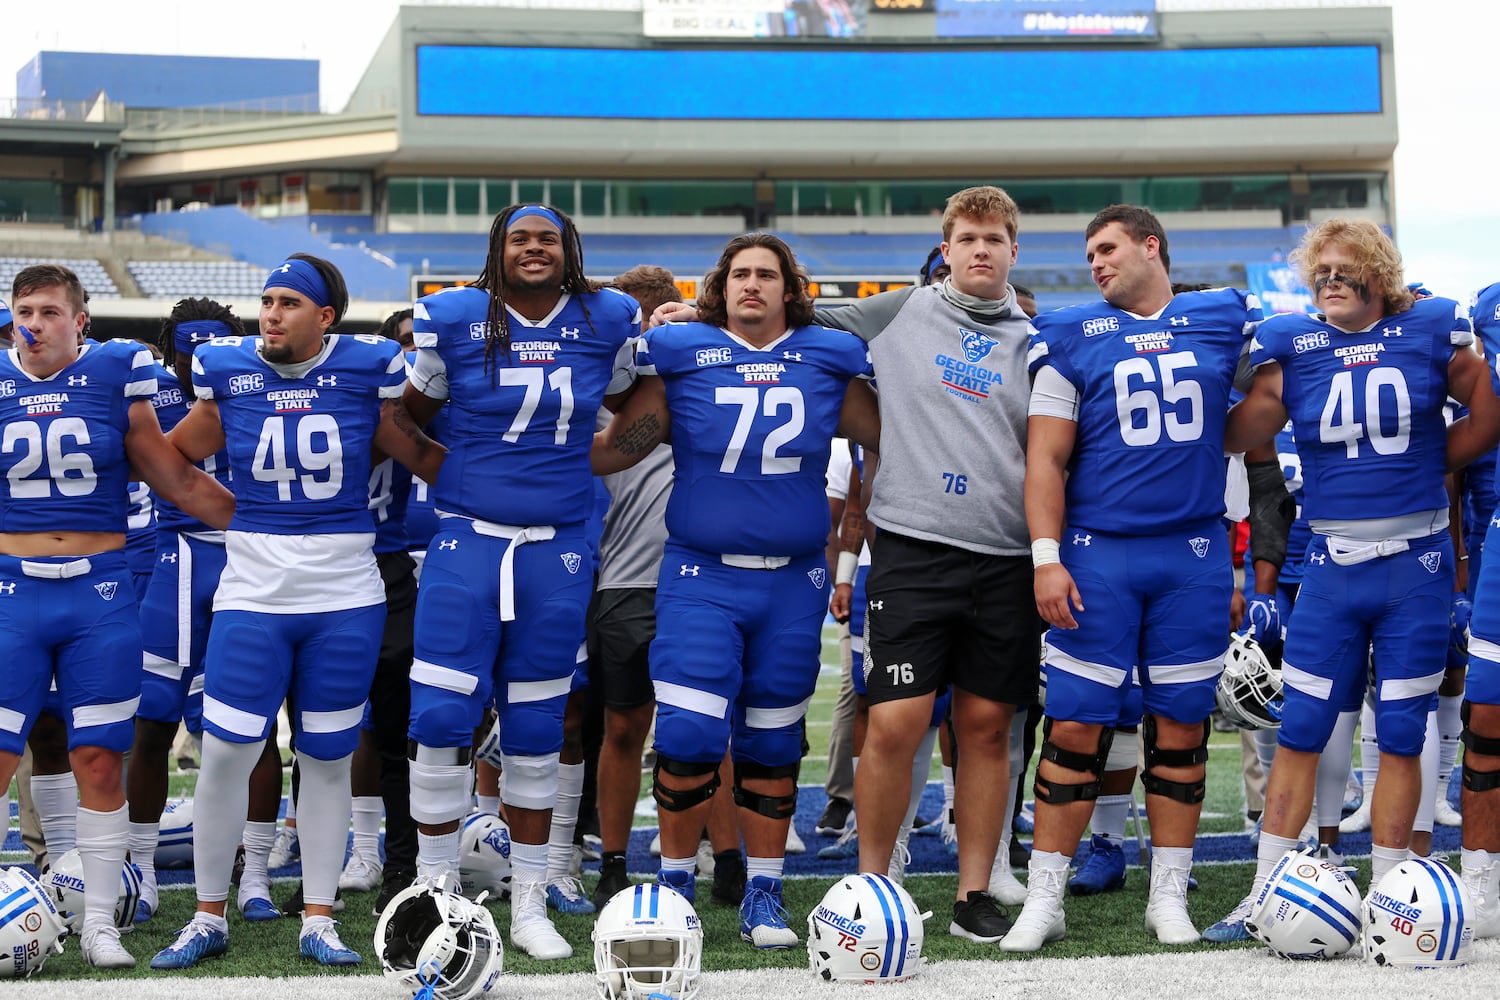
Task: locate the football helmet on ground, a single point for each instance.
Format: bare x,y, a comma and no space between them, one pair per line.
432,940
1308,908
1420,916
64,884
174,845
647,943
31,930
484,855
866,929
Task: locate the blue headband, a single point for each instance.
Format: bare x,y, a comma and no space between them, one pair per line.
937,262
190,334
5,317
540,211
300,276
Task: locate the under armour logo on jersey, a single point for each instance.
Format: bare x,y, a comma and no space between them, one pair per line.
7,588
876,605
569,333
1082,538
1317,558
688,570
78,380
792,355
817,576
327,380
107,590
1430,561
572,560
976,345
1495,521
1390,331
1178,321
169,557
1200,546
448,544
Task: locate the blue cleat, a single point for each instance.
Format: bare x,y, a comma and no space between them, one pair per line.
195,942
258,909
1232,928
846,848
682,882
1104,871
143,912
565,895
320,942
762,917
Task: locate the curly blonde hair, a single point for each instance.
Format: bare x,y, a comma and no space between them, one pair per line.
1373,253
981,204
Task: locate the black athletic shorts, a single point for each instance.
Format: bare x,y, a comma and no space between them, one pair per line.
620,633
944,615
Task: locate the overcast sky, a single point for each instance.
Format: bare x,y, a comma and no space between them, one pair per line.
1448,92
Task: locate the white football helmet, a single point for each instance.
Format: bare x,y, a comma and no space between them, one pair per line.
647,943
1249,691
1419,916
484,855
31,930
1309,908
430,938
174,845
866,929
64,883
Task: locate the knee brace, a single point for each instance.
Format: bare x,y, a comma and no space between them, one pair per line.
1190,792
1059,793
441,782
683,799
1489,746
772,806
529,782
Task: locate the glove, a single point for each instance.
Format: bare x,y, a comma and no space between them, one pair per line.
1458,631
1264,619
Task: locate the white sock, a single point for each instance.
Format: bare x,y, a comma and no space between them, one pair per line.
141,841
1450,728
667,864
258,839
1270,850
528,862
1333,771
1111,813
221,803
1172,857
1383,859
1369,750
1265,749
564,821
489,804
323,827
437,854
367,810
921,766
948,793
56,800
768,867
101,847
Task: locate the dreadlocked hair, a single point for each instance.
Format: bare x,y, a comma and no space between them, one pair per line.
188,311
492,280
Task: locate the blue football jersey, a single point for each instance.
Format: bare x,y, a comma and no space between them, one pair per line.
299,446
390,492
519,431
1300,534
421,516
171,405
62,439
751,433
1367,408
1153,394
1485,313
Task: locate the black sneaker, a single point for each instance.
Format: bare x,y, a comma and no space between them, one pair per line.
729,878
392,882
979,919
294,906
1020,854
612,881
835,817
239,866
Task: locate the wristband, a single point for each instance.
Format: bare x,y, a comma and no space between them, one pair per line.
1044,552
847,567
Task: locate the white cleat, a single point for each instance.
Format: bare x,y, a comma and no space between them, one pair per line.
102,949
1166,912
705,859
1480,879
794,844
1358,820
285,849
1004,885
530,930
900,858
1444,814
361,874
1041,919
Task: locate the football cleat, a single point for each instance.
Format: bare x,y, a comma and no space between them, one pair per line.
197,941
320,942
762,917
1104,871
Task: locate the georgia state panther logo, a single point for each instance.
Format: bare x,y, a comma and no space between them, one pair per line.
817,575
976,345
107,590
572,560
1431,561
1200,546
499,840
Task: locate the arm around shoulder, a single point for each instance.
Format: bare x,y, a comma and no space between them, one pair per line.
166,470
639,425
1475,434
1255,419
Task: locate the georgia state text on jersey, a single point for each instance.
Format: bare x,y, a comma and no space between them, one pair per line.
1367,407
1153,394
63,446
298,436
171,405
750,474
518,447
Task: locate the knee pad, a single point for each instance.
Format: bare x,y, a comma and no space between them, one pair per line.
529,782
441,718
441,783
772,806
1489,746
1190,792
683,799
1122,754
1059,793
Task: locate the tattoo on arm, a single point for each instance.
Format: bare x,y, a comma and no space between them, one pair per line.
402,418
643,434
852,531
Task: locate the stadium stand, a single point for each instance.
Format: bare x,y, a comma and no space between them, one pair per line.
92,273
162,279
